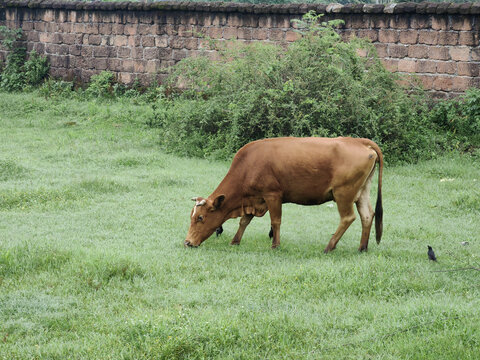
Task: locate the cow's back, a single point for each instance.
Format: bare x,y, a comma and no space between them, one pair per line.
302,170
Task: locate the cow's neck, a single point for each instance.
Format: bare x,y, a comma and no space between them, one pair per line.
232,189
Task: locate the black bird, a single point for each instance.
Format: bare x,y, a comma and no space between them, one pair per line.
431,254
270,234
219,231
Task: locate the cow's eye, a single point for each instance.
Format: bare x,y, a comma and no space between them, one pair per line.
200,218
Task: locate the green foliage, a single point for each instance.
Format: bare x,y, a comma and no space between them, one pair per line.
9,37
36,69
319,86
57,89
101,85
459,118
19,72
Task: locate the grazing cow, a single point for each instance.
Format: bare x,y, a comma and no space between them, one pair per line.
308,171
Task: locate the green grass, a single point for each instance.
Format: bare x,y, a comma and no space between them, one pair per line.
92,266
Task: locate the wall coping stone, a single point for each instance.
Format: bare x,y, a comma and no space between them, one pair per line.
400,8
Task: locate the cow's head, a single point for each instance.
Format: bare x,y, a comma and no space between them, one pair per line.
206,216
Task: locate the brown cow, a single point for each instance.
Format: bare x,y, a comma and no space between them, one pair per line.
308,171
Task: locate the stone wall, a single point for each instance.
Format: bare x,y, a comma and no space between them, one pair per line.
439,42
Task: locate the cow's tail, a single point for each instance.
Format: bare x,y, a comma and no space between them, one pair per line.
378,205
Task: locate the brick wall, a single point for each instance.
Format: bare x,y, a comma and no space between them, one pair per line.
439,42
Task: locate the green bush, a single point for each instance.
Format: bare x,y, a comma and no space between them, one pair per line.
36,69
101,85
318,86
459,119
19,72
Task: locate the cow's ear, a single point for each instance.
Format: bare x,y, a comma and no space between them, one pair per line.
217,203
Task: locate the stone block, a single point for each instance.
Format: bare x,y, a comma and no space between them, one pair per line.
120,40
459,53
165,54
461,23
148,41
408,36
177,43
428,37
137,53
439,22
388,36
124,52
105,29
191,43
468,69
94,39
468,38
139,66
130,29
178,55
397,51
150,53
419,21
446,67
443,83
370,34
291,35
418,51
448,37
161,41
407,65
276,35
438,53
425,66
230,33
382,50
390,64
244,33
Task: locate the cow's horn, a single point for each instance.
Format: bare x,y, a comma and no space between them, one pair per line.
201,203
194,199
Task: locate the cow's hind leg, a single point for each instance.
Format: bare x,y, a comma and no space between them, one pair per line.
366,213
347,216
244,221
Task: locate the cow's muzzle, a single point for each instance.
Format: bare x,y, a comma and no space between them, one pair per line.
188,244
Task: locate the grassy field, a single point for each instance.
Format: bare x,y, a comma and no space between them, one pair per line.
92,264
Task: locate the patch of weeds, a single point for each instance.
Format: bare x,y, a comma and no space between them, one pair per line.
101,186
98,272
27,258
24,199
468,202
128,162
27,198
9,170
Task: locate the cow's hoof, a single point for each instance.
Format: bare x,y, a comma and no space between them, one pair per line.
362,249
235,242
275,247
327,250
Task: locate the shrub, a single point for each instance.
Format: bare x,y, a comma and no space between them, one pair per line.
57,89
318,86
459,119
17,72
36,69
101,85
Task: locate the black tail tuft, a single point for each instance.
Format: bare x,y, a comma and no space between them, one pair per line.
379,217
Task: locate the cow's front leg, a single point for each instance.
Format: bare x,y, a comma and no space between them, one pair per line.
274,205
244,221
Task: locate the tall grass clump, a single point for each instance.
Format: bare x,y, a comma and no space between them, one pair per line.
318,86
